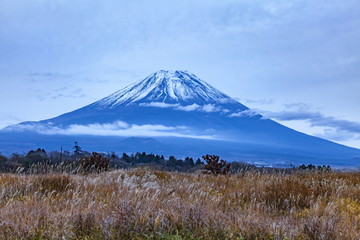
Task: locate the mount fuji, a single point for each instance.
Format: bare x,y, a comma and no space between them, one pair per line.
176,113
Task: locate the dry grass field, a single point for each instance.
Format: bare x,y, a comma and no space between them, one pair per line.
149,204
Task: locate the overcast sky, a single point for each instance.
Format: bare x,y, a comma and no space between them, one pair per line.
297,62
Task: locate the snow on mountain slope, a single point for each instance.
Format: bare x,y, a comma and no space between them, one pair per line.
170,87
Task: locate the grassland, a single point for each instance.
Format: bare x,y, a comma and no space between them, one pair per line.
149,204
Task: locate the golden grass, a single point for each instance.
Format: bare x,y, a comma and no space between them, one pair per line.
148,204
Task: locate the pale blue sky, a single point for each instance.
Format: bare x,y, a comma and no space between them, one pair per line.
295,61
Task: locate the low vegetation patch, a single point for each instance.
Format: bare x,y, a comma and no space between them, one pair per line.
143,203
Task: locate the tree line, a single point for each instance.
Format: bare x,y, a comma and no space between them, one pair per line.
40,156
80,159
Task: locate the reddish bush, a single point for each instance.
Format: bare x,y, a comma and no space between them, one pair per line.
95,162
214,166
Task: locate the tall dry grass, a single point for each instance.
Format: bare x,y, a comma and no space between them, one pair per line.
147,204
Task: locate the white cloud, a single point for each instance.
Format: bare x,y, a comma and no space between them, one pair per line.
108,126
186,108
159,105
118,128
210,108
245,113
189,108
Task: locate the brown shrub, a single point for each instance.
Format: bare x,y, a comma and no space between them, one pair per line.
214,166
94,163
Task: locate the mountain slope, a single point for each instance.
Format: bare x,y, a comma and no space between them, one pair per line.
187,116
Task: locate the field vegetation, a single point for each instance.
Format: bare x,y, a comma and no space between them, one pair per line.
145,203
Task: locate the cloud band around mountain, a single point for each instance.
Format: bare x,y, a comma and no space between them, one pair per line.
186,108
118,128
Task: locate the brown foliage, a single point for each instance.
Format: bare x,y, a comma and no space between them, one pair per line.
95,162
216,167
51,183
150,204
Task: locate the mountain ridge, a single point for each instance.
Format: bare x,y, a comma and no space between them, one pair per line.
192,116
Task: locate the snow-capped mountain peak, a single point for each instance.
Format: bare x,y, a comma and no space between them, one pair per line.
185,116
168,87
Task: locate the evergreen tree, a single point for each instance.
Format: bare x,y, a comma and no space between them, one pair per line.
198,162
172,159
137,157
126,157
189,162
142,157
3,160
77,149
35,157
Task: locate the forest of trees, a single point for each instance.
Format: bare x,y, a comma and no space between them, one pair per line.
72,160
40,156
